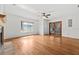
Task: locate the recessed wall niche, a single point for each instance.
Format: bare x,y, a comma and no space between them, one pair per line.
69,22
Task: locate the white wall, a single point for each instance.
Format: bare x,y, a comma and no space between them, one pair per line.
13,26
46,26
43,26
73,31
14,16
41,30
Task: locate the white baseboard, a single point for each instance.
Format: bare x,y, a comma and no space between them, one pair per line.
76,37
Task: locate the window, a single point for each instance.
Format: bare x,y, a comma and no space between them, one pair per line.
70,23
26,26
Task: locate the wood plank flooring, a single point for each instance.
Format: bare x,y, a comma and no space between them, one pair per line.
43,45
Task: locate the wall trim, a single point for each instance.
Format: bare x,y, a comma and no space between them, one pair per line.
10,39
69,37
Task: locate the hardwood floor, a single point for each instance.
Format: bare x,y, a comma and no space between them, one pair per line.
42,45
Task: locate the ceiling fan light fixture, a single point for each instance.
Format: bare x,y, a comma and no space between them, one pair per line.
43,14
48,15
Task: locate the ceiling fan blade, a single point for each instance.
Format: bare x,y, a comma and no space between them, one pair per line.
43,14
48,15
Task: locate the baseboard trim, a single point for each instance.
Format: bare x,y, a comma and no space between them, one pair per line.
69,37
10,39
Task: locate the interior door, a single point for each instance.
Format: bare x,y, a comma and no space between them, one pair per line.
55,28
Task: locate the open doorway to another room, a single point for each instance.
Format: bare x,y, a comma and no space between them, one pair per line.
55,28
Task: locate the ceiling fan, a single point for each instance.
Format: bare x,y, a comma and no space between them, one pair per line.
46,15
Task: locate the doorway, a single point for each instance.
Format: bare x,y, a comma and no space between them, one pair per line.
55,28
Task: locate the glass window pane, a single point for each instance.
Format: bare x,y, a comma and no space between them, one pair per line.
28,27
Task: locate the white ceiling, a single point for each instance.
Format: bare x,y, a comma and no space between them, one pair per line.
34,11
55,9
